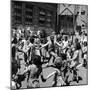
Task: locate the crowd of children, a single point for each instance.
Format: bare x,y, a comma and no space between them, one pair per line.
33,51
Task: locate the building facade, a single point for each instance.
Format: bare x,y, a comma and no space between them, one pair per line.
72,17
82,18
41,15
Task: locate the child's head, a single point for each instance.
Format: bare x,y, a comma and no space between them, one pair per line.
85,43
76,40
66,38
77,46
58,62
32,39
37,60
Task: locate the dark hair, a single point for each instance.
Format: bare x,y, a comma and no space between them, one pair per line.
85,34
58,62
85,43
78,46
32,39
37,60
59,38
76,40
43,34
66,38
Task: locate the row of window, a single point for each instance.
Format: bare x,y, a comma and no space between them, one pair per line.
81,13
45,17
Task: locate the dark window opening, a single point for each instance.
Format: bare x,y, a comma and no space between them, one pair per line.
29,13
18,10
83,13
28,19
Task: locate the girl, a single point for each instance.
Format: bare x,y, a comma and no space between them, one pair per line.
75,62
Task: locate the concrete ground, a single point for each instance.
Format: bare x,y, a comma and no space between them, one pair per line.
81,72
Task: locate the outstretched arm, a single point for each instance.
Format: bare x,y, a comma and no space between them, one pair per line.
55,41
44,45
58,44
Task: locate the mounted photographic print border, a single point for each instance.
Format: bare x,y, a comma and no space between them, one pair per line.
49,44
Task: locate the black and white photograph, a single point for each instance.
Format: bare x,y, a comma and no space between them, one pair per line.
49,44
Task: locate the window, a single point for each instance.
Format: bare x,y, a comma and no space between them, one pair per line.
42,16
17,18
28,13
77,12
17,10
29,6
28,19
83,12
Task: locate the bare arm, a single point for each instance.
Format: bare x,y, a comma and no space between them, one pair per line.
74,56
27,69
44,45
58,44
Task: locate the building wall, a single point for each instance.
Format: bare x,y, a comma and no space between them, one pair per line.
82,19
79,14
66,17
41,15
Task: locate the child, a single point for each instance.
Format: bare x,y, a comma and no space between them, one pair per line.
58,79
34,70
